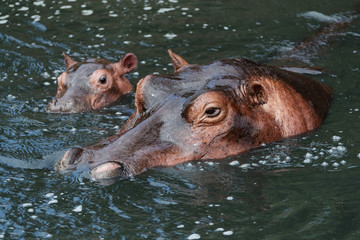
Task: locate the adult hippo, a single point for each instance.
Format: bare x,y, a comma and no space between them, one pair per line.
92,84
204,112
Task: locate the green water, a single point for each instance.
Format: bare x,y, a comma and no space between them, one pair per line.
305,187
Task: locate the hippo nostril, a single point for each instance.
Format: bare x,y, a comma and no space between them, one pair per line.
70,158
109,170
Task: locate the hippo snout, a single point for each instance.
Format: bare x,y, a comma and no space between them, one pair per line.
66,105
70,159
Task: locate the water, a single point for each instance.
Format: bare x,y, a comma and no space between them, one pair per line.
300,188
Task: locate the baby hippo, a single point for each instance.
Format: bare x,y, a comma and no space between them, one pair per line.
92,84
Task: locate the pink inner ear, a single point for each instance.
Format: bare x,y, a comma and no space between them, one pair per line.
128,63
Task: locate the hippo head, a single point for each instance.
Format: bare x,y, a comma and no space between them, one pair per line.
204,112
92,84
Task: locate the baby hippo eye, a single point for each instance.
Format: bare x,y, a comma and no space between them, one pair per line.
102,79
212,112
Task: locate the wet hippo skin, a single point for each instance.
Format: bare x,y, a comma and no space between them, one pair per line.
204,112
92,84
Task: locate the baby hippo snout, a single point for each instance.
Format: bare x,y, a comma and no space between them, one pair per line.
66,105
70,159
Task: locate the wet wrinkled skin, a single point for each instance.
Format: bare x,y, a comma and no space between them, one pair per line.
92,84
204,112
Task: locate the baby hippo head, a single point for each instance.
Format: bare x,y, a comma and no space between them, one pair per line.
92,84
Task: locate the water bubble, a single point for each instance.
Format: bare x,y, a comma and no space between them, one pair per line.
194,236
49,195
170,36
78,208
39,3
234,163
87,12
245,166
324,164
66,7
163,10
52,201
336,138
307,161
23,9
27,205
228,233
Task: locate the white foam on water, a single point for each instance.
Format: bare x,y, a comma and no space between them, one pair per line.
39,3
234,163
49,195
319,16
245,166
52,201
170,36
228,233
23,9
78,208
336,138
66,7
87,12
164,10
194,236
324,164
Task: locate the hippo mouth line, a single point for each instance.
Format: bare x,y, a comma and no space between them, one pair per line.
109,170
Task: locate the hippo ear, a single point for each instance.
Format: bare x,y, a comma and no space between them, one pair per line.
257,94
127,64
177,61
68,61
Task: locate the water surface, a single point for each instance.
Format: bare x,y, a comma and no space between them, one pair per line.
300,188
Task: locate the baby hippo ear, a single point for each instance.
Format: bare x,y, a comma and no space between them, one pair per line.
177,61
68,61
127,64
257,94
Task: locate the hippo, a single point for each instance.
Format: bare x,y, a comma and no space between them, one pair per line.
92,84
204,112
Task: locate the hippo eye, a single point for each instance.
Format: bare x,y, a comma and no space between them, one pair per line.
212,112
102,79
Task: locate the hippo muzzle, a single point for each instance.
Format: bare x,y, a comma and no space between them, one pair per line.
80,160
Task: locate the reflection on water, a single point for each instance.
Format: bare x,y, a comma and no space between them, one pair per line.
304,187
